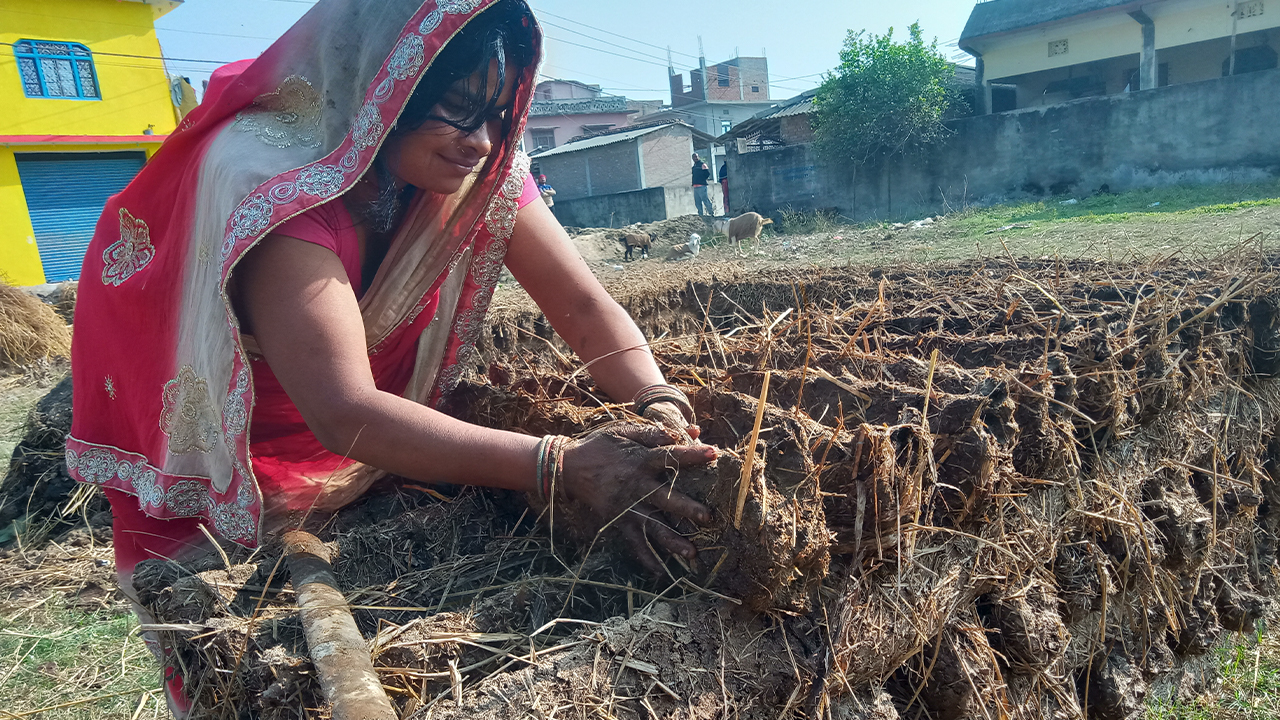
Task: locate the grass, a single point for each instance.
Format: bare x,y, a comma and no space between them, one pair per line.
1197,222
1143,205
60,662
63,641
1250,685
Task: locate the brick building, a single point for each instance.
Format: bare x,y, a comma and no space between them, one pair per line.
722,95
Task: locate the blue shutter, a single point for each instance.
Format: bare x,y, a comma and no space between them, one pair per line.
65,197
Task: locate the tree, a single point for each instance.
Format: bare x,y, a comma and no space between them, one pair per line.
886,99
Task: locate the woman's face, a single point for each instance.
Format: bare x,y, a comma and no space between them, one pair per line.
438,157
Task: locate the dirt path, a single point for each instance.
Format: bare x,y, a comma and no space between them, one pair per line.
1191,234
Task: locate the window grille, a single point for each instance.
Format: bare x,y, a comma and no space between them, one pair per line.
1250,9
56,70
1058,47
543,139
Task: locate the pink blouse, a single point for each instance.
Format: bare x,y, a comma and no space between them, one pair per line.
279,437
330,226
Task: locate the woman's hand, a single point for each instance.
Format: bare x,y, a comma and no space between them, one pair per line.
670,416
620,474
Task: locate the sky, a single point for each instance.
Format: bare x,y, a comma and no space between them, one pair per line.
612,43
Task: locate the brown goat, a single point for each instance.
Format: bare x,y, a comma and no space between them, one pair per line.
637,240
747,226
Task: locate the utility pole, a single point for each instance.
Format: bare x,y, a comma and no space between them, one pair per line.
706,100
1235,26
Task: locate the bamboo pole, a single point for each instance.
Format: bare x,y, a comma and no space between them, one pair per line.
744,483
338,650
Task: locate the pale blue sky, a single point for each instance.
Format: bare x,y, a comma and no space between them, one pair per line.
800,43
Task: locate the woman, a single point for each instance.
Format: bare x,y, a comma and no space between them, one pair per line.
300,274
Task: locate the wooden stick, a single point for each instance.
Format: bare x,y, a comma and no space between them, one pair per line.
744,483
338,650
928,388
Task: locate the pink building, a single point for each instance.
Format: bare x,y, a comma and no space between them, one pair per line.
567,109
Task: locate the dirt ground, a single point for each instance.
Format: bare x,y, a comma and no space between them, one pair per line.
68,646
1191,235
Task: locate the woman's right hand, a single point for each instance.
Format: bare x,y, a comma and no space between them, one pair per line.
620,473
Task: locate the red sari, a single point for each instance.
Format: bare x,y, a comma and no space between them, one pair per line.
175,416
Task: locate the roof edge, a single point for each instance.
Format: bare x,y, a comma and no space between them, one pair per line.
965,42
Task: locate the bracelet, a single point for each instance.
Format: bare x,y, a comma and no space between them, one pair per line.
550,465
661,393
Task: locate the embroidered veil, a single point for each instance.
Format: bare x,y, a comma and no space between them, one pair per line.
163,377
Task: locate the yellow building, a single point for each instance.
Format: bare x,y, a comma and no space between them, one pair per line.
86,100
1040,52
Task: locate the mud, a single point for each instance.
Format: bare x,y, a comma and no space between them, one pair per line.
982,491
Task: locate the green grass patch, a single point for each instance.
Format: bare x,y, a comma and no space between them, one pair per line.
1196,223
1148,204
1250,689
93,664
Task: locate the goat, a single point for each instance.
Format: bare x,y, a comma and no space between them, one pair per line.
637,240
685,251
747,226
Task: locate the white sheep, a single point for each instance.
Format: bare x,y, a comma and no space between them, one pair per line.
686,251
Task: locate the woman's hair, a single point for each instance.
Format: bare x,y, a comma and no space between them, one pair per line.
504,32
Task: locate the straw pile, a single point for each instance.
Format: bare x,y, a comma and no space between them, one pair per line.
1039,490
30,330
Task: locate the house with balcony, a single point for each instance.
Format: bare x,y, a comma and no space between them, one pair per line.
564,110
87,100
1041,52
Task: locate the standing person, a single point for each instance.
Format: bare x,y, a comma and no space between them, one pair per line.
297,280
701,176
724,184
548,193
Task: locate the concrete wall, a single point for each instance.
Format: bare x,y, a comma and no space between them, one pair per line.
709,117
600,170
135,91
1213,131
667,158
622,209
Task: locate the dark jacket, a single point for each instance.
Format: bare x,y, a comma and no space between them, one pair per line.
701,173
724,172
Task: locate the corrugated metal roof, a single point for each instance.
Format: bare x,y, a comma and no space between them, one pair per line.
601,141
804,107
1001,16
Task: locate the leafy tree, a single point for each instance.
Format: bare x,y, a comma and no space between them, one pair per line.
886,99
